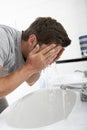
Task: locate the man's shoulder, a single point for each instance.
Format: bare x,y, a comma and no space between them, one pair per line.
9,32
7,29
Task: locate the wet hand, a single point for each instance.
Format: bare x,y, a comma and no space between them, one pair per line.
60,51
40,59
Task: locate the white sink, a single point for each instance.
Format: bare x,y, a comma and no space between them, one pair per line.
40,108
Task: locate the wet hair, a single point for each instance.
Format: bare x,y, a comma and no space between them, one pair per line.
47,30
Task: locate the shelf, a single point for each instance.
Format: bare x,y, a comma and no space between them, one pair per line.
71,60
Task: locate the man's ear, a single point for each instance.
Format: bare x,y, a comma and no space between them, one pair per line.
32,41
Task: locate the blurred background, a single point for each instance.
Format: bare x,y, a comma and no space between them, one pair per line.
73,16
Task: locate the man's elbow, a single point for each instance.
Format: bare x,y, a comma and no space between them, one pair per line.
2,93
30,84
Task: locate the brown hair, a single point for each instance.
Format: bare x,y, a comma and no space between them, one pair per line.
47,30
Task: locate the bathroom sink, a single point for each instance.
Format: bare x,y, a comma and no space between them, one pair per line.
39,108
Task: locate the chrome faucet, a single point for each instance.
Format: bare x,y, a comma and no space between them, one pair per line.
84,72
82,89
84,93
84,86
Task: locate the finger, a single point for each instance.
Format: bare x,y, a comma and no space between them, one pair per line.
35,50
48,48
53,59
58,49
51,55
49,60
59,54
53,52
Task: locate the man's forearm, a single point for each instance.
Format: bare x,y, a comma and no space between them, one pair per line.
13,80
33,78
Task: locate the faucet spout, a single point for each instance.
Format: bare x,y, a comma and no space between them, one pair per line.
82,89
70,87
84,72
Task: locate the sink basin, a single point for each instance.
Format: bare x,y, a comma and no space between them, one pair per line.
39,108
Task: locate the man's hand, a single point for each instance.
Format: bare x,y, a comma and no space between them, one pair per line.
40,59
46,56
58,55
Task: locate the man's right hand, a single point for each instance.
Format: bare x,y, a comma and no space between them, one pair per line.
40,59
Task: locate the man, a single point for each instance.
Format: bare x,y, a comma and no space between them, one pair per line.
23,55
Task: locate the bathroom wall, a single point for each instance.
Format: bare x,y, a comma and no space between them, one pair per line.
71,13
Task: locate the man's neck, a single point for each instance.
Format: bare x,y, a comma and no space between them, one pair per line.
24,49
